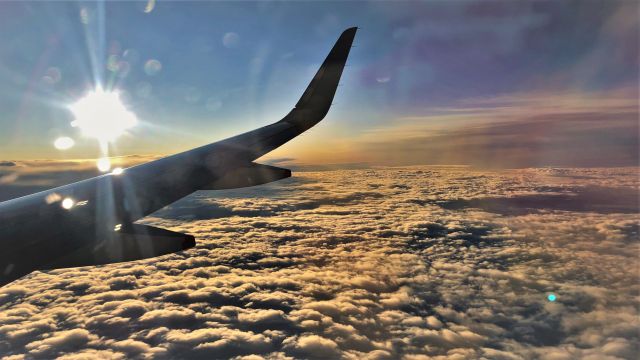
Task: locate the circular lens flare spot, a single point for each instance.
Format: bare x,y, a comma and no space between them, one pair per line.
104,164
102,115
230,40
52,76
551,297
152,67
64,143
67,203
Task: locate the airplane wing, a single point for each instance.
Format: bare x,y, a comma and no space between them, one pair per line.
92,221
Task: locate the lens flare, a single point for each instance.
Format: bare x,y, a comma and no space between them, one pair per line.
112,63
152,67
67,203
104,164
150,5
230,40
63,143
84,16
53,197
52,76
102,115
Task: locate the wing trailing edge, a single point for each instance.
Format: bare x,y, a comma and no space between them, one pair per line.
251,175
127,242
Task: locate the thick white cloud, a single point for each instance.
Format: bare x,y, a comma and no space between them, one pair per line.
413,263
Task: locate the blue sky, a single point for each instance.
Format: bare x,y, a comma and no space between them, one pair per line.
412,60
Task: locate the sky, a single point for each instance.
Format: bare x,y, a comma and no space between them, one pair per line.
489,84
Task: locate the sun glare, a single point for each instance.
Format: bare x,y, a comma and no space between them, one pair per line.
117,171
102,115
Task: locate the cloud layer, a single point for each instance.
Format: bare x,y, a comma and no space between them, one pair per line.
20,178
568,129
358,264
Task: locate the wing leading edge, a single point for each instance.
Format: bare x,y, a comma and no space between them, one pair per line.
36,232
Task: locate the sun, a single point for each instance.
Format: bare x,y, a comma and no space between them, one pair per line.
102,115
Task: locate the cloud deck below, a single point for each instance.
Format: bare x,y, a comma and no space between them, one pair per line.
416,262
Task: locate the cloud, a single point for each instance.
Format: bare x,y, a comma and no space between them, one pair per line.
220,343
527,128
585,199
60,341
93,354
176,317
566,129
369,264
314,346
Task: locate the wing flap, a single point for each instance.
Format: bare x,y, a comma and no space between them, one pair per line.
250,175
130,242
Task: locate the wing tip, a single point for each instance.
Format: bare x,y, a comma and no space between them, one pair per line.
317,98
349,33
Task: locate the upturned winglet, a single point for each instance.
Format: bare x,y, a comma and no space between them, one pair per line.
317,98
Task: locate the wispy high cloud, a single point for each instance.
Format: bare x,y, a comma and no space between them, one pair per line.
520,130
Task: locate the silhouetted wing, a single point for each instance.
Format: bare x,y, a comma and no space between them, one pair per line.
37,232
251,175
129,242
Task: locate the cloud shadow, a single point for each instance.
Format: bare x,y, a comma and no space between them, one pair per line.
603,200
